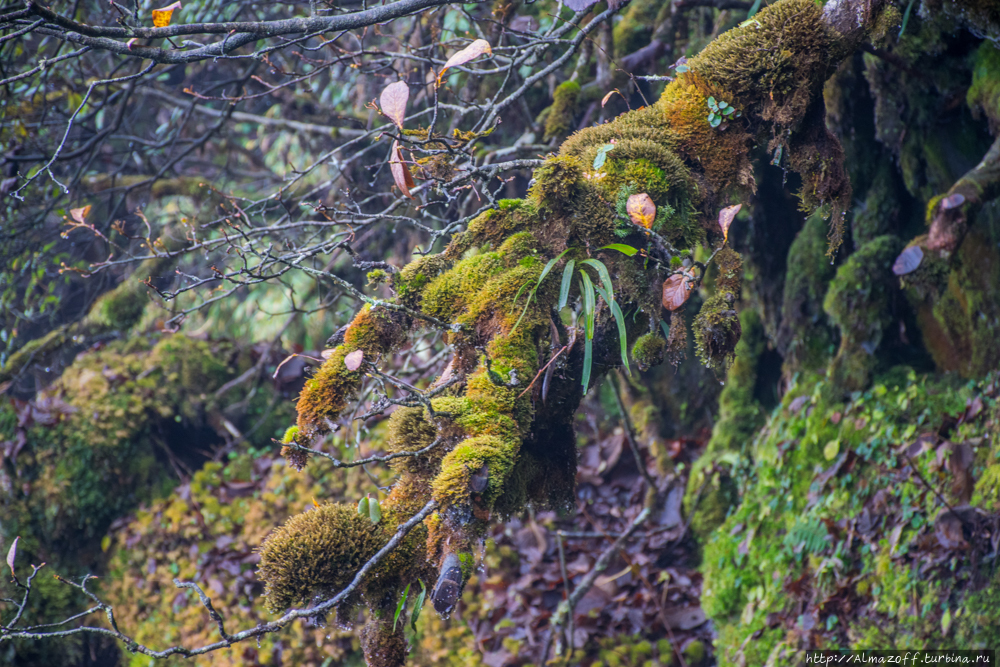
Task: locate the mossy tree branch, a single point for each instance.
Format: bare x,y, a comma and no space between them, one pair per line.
502,447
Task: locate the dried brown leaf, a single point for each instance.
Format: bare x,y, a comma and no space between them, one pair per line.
400,173
608,97
354,359
677,289
641,210
469,53
12,554
393,102
80,214
726,217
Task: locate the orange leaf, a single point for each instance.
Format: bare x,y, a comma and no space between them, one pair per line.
393,102
608,97
641,210
354,359
400,173
726,217
471,52
677,288
161,17
80,214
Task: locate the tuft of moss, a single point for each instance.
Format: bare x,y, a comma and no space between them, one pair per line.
717,326
314,553
562,113
649,350
325,395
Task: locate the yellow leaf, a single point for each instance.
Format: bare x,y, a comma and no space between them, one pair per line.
469,53
726,217
161,17
641,210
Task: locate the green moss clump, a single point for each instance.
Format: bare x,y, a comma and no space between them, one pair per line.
740,416
314,553
858,303
559,121
717,326
649,350
325,395
121,308
804,337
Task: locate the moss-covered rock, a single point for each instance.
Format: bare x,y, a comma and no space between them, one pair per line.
858,302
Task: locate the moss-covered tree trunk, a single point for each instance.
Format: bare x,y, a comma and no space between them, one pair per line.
501,445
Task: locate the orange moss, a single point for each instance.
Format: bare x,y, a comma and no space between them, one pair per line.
722,152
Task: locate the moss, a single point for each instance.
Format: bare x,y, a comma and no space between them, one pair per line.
408,430
858,303
775,83
412,278
649,350
804,337
635,28
957,304
314,553
740,416
559,121
717,326
777,534
383,645
723,152
121,308
695,653
984,93
325,395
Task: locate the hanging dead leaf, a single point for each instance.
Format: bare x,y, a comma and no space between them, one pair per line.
608,97
908,261
12,554
393,102
726,217
354,359
400,173
80,214
677,289
469,53
641,210
161,17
